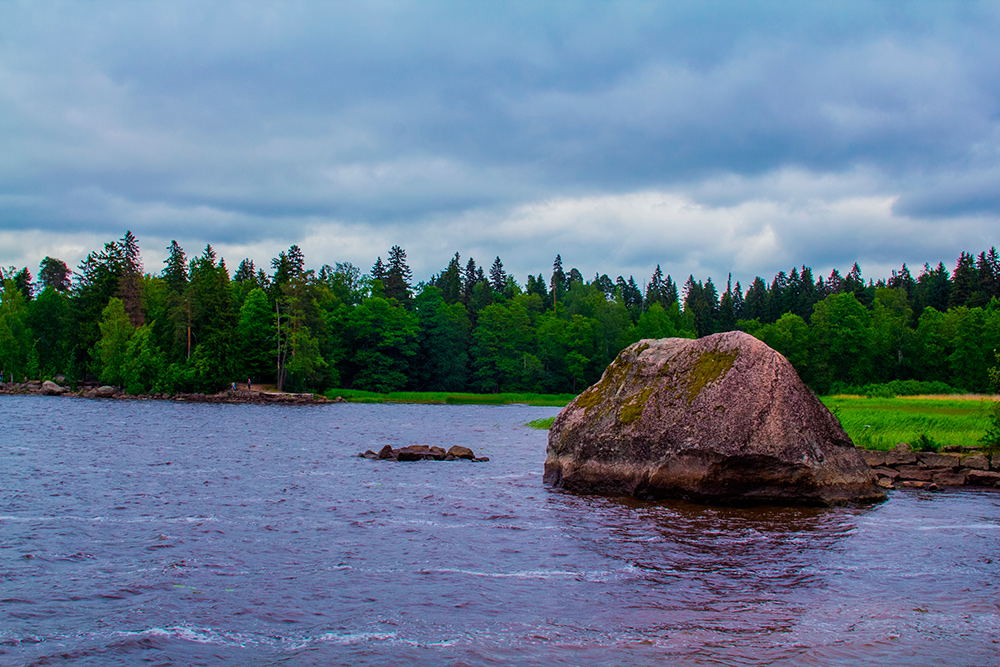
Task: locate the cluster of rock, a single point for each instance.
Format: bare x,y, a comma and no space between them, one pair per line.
49,388
424,453
969,466
724,418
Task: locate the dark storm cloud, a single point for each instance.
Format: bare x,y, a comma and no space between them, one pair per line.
441,126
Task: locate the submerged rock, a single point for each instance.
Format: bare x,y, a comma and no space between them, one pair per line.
724,418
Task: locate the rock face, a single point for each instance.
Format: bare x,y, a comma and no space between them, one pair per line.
721,419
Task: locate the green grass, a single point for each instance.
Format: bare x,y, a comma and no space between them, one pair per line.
879,423
450,398
872,423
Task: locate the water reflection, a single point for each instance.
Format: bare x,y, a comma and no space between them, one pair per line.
738,579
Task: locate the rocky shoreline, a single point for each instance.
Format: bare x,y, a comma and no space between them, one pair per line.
49,388
963,466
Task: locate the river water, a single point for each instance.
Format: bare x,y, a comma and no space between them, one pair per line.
191,534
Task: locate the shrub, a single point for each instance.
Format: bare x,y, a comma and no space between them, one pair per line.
925,444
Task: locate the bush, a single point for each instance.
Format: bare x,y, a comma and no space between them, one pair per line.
897,388
925,444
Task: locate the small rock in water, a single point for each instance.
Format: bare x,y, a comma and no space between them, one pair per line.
423,453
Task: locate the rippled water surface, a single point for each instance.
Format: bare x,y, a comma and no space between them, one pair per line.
174,534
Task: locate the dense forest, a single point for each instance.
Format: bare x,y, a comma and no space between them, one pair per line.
193,326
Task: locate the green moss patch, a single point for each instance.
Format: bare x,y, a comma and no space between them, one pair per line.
708,368
632,410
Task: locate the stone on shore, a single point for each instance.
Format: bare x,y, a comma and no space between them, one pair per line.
721,419
50,388
104,391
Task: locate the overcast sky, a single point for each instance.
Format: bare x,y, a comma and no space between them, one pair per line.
743,137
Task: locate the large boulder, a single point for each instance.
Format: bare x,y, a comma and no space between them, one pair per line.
721,419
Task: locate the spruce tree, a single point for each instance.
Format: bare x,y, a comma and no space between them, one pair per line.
378,270
130,283
398,276
498,277
176,271
964,282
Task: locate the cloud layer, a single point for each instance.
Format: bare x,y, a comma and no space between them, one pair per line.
709,138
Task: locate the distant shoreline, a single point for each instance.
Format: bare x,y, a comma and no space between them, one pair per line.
231,396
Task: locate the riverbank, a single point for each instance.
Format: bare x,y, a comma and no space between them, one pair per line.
236,396
901,467
451,398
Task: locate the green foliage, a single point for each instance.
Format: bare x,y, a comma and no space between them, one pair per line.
143,368
466,330
790,336
49,319
383,336
255,335
112,349
841,336
897,388
501,348
444,342
542,424
924,443
991,438
16,339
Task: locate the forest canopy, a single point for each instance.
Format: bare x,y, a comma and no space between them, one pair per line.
195,326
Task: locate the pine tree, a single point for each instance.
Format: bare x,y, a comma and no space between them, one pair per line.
558,283
245,272
176,271
54,273
296,262
964,282
469,281
22,279
934,288
450,281
130,283
398,276
989,275
654,290
537,286
498,277
755,303
378,270
738,305
727,308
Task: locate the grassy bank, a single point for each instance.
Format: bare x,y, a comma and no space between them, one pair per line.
873,423
879,423
450,398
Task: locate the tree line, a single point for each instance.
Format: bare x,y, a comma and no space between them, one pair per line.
194,326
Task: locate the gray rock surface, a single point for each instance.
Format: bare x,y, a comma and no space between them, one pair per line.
721,419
